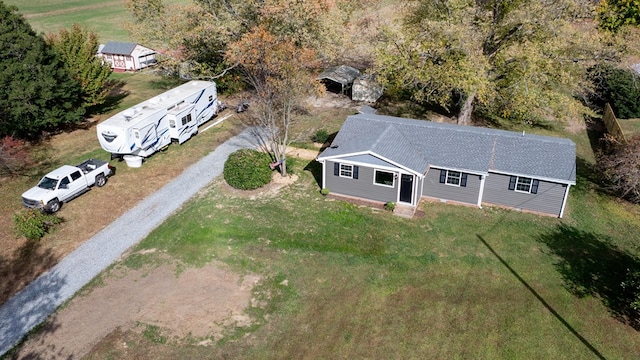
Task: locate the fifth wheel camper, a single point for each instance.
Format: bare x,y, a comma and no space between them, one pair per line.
154,123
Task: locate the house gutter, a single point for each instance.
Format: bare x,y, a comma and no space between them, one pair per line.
481,192
564,201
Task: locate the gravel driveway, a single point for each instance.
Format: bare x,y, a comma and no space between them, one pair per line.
42,297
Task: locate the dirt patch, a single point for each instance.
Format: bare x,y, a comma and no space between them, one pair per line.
199,303
277,183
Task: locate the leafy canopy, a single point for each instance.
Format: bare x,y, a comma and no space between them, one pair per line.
78,48
38,92
518,60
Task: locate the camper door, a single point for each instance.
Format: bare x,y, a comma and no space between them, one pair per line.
182,123
145,136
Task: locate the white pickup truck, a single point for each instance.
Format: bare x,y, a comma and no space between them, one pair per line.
66,183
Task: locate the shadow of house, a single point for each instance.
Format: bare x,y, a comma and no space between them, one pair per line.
592,266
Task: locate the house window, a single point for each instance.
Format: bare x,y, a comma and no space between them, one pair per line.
383,178
523,184
454,178
345,170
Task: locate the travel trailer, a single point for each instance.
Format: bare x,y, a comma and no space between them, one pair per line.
153,124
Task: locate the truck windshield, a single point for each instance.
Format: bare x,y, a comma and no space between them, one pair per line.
47,183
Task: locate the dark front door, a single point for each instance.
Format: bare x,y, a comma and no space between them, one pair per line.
406,188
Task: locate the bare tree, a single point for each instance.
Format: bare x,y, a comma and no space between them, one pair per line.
621,169
279,72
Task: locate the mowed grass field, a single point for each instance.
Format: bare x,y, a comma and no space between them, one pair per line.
104,17
342,281
349,282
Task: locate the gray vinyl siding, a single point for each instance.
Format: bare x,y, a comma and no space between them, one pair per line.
362,187
433,188
548,200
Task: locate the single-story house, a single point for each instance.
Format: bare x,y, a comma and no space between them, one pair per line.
384,159
123,56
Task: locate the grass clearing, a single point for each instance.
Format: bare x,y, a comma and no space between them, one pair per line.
355,282
104,17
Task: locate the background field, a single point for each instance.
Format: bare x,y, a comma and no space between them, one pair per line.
342,281
104,17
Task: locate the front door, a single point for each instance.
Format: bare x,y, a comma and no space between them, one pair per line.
406,188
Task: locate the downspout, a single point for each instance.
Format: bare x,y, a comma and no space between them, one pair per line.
324,181
564,201
481,193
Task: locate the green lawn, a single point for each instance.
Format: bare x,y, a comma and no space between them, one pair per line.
457,283
104,17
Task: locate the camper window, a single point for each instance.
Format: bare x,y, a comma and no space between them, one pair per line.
136,133
172,123
186,119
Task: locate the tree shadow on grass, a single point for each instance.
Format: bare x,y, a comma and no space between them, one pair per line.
591,265
26,264
27,298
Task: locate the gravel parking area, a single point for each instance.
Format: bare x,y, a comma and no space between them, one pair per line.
42,297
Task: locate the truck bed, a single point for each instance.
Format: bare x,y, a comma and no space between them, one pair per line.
90,165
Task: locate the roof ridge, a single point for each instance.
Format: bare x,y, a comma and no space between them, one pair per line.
461,128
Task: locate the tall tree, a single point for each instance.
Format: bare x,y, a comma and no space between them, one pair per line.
38,94
78,48
614,14
278,71
520,60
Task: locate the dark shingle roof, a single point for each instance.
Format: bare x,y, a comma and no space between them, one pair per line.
118,48
418,144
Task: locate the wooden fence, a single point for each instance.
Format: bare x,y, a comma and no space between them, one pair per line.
612,125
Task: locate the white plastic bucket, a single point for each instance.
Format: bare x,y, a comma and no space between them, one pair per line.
133,161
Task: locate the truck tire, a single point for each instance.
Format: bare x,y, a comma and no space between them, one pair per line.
101,180
53,206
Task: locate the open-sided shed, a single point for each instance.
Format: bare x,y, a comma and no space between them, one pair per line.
339,78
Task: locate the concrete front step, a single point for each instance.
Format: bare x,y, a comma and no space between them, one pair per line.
404,211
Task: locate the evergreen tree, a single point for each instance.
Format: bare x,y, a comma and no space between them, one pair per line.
78,48
37,92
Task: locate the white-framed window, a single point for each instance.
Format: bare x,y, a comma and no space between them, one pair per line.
346,170
383,178
453,178
523,184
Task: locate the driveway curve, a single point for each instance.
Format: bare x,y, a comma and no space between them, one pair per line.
32,305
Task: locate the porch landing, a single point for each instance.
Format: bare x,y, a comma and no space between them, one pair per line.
405,211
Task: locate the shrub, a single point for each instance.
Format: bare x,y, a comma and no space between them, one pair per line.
14,157
321,136
247,169
390,206
621,169
324,191
618,87
33,224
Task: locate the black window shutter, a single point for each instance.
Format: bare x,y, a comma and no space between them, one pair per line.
534,186
463,180
512,182
336,169
355,172
443,176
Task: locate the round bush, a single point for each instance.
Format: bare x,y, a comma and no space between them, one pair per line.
247,169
